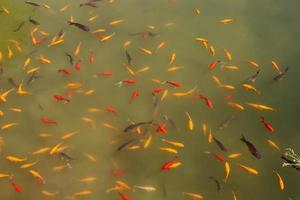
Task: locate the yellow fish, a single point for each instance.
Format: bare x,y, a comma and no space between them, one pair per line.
88,179
253,63
148,141
181,94
236,106
250,87
190,121
27,165
41,150
37,175
227,170
55,149
15,159
228,54
107,37
90,157
174,143
5,94
197,11
44,60
10,53
276,67
212,50
248,169
127,44
49,194
145,51
82,193
9,125
226,20
261,107
172,58
169,150
115,22
122,185
69,135
160,45
234,155
20,91
77,50
273,144
193,196
280,181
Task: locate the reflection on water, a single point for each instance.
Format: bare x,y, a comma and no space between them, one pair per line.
68,93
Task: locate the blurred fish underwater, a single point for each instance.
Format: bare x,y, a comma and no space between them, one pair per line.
159,99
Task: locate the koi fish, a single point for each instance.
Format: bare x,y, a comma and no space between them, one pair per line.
207,101
248,169
252,63
194,196
216,182
123,196
47,120
49,194
172,58
80,26
253,150
169,150
92,57
17,187
227,170
61,98
190,121
280,181
145,51
145,188
261,107
213,65
281,75
106,37
174,143
220,144
275,66
228,54
15,159
4,95
136,125
134,95
175,84
273,144
37,176
161,128
267,125
9,125
226,21
169,164
236,106
77,65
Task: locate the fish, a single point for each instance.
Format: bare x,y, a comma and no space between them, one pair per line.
226,20
249,169
71,59
168,165
281,75
32,3
129,58
124,196
136,125
261,107
193,196
125,144
207,101
253,77
220,144
90,4
227,170
145,188
65,156
280,180
172,58
267,125
190,121
217,182
80,26
174,143
16,186
34,22
253,150
19,26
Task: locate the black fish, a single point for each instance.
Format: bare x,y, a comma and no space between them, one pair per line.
147,34
220,144
32,3
12,82
135,125
290,162
80,26
65,156
124,145
253,77
34,22
129,58
281,75
217,183
19,27
32,78
71,60
90,4
251,148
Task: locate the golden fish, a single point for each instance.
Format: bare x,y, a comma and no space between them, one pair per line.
236,106
5,94
27,165
261,107
172,58
169,150
280,180
228,54
126,44
115,22
107,37
190,121
226,21
145,51
248,169
49,194
88,179
15,159
41,151
174,143
193,195
273,144
148,141
227,170
254,64
9,125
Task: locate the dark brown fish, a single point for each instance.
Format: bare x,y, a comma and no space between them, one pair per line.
253,150
71,60
220,144
253,77
218,184
80,26
135,125
90,4
12,82
65,156
126,144
146,33
32,3
281,75
19,27
129,58
34,22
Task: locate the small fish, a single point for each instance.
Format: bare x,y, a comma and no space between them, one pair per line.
34,22
193,196
249,169
253,77
226,21
261,107
17,187
47,120
281,75
80,26
145,188
217,182
227,170
71,60
220,144
124,196
136,125
19,26
129,58
168,165
32,3
253,150
126,144
90,4
225,123
65,156
190,121
280,181
268,126
207,101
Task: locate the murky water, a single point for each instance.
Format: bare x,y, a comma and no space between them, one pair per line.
261,31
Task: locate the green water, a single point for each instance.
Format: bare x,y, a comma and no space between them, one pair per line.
261,31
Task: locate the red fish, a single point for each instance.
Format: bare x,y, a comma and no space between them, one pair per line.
218,156
175,84
47,120
208,102
78,65
157,90
104,73
214,64
167,165
111,109
91,59
117,172
129,81
17,187
161,127
61,98
124,197
64,71
267,125
134,95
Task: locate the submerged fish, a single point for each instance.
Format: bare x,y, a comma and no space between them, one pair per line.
80,26
281,75
253,150
135,125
